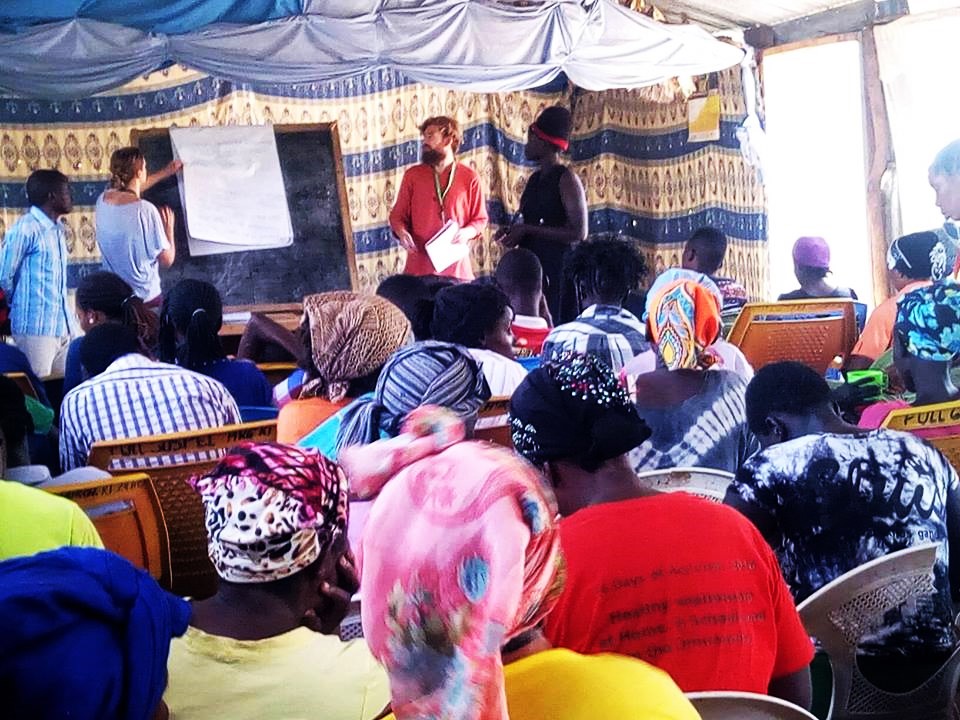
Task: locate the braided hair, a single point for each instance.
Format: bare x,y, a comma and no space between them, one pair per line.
193,309
125,163
607,269
110,294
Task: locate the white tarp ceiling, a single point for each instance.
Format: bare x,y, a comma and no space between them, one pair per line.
469,44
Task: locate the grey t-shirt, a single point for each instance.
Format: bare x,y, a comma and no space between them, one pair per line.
131,237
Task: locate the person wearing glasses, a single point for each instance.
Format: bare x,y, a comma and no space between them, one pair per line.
914,261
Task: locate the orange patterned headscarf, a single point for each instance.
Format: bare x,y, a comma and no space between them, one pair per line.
684,322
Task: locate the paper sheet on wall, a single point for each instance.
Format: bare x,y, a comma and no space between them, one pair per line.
703,117
231,189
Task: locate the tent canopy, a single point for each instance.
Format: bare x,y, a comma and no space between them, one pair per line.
75,48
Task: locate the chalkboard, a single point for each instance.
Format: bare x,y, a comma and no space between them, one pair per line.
321,257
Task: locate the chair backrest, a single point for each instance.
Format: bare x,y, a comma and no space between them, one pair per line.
729,705
178,448
23,382
812,332
492,424
843,612
704,482
126,512
931,417
192,573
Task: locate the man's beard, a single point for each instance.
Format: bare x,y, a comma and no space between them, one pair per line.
431,156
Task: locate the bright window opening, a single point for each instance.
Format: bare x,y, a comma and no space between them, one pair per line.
816,182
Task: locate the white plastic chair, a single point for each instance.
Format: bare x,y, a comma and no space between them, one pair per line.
727,705
703,482
843,612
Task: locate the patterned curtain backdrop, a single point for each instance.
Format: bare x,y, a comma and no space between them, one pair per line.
641,178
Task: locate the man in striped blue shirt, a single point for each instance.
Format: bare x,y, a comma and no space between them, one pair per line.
33,272
129,396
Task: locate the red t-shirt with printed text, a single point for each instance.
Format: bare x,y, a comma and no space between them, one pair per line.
684,584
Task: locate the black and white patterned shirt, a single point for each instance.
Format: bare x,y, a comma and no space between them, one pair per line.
136,397
836,502
608,332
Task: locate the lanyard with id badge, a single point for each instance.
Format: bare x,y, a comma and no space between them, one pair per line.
441,249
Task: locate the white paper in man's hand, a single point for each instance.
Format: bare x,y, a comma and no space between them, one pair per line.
442,250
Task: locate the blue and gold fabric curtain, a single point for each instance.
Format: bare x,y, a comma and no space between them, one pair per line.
643,179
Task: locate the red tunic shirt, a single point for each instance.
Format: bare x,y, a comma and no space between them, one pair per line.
418,210
685,584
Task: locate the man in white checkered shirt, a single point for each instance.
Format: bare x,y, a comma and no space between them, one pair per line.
603,271
129,395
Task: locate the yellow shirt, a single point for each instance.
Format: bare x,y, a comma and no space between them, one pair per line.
32,521
299,675
560,684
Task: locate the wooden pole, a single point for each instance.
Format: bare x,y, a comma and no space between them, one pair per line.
880,162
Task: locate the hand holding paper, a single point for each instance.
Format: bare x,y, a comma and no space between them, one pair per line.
443,248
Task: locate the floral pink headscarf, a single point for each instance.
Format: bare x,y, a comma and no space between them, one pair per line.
461,552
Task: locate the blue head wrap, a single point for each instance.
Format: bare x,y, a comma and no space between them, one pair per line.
84,635
425,373
928,321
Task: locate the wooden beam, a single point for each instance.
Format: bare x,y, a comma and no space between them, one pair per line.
853,17
880,160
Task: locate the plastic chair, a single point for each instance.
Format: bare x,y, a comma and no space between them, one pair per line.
170,460
812,332
728,705
23,382
931,417
704,482
843,612
126,513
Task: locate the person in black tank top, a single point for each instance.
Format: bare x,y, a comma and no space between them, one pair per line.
553,208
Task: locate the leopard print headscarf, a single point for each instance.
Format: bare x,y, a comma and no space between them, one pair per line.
271,510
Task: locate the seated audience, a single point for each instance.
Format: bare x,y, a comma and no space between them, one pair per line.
426,373
697,415
663,605
129,396
520,275
190,322
811,265
914,261
276,517
829,496
84,635
603,272
481,567
21,445
346,337
926,341
704,253
479,318
105,297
